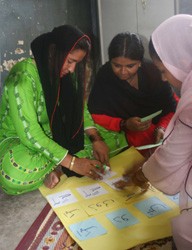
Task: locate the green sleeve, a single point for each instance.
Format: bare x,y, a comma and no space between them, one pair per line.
88,121
26,106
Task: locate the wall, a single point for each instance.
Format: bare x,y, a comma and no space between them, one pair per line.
185,7
21,21
137,16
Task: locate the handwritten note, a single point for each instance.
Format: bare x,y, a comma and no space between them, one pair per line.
127,197
99,205
91,191
87,229
108,174
152,207
61,199
122,218
73,212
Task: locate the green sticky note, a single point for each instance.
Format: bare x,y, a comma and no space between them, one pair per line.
149,117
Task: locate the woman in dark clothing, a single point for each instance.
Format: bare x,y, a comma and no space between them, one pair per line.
128,88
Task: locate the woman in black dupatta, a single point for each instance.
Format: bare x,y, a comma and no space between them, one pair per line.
42,115
61,57
128,88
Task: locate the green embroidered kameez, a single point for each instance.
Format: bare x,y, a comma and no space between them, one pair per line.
27,151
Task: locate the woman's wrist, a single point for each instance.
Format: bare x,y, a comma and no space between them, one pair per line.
72,163
123,125
159,127
140,180
66,161
95,137
140,176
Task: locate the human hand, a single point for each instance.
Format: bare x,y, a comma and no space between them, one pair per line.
159,134
87,167
133,177
101,152
137,179
135,124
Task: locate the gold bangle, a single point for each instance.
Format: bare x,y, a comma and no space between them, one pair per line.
72,163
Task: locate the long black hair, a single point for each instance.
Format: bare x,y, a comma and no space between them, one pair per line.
63,96
152,51
127,45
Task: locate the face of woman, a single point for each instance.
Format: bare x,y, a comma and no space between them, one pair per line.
125,68
166,74
74,57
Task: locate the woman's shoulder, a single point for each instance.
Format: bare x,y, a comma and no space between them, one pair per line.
25,68
104,68
149,66
23,64
24,72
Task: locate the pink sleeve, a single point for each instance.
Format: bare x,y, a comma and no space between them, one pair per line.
164,121
168,167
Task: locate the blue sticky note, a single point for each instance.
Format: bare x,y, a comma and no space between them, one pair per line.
152,207
174,198
87,229
122,218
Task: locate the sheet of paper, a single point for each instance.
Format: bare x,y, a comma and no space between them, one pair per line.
112,182
87,229
99,217
61,199
101,204
108,174
91,191
149,146
122,218
152,207
150,117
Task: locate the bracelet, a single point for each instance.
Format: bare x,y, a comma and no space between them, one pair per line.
95,137
72,163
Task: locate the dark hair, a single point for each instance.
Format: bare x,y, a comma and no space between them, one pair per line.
83,44
152,51
57,56
127,45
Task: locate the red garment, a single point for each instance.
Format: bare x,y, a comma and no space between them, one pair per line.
112,100
134,138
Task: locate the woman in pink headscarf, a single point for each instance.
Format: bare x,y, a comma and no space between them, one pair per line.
170,167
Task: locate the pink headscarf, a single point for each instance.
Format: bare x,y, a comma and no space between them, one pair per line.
172,41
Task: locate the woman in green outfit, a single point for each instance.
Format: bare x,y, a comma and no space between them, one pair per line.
42,115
